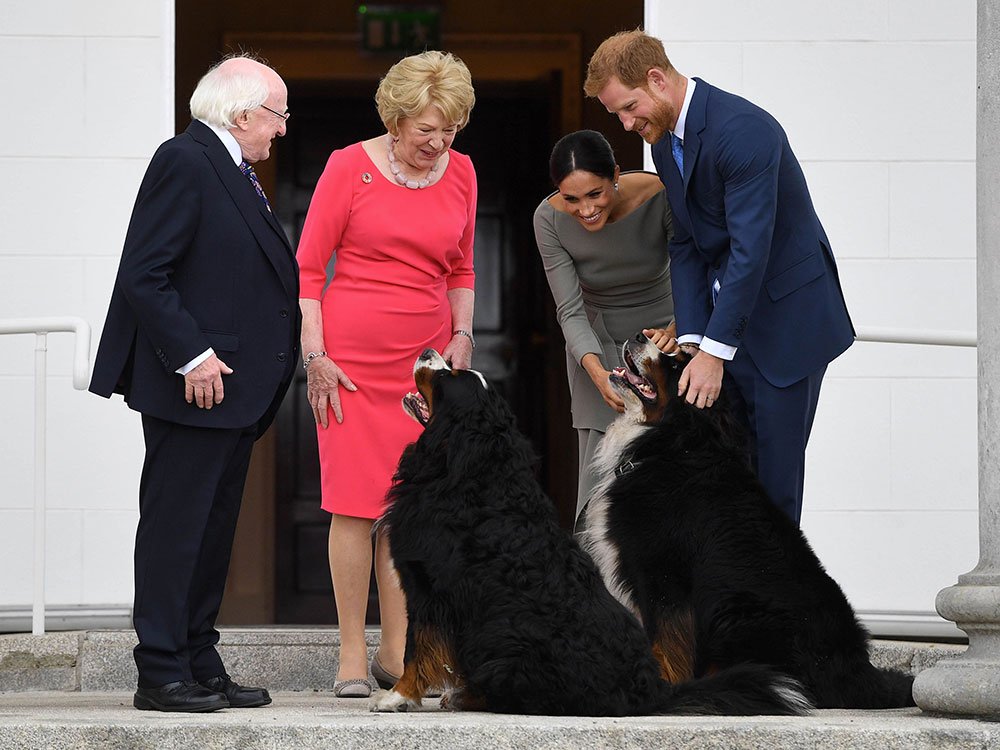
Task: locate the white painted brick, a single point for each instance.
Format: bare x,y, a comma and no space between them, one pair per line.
123,96
849,450
50,101
85,17
720,63
872,360
68,206
64,557
850,101
107,556
932,210
894,560
852,199
767,19
932,19
16,556
926,295
16,440
100,448
31,286
935,454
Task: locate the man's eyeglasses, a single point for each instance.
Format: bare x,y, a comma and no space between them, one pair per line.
282,115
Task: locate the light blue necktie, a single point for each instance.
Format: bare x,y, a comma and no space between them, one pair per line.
677,149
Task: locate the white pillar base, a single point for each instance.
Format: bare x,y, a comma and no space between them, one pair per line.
968,685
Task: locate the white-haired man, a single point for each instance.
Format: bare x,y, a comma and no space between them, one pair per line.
201,339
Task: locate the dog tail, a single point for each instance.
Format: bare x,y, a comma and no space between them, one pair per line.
897,688
883,688
744,690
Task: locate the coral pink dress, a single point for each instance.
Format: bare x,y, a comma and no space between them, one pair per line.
398,252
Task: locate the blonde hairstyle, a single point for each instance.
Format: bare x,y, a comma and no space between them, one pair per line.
432,77
628,56
222,93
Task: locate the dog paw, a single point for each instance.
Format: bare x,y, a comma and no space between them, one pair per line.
447,703
389,701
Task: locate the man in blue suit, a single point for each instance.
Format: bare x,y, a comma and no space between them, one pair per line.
201,338
756,293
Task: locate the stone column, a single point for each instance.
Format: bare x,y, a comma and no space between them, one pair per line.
970,684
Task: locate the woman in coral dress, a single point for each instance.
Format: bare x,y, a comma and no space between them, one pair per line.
397,215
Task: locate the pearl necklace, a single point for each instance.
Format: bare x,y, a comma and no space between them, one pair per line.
401,178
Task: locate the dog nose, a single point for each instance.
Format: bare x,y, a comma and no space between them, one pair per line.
640,338
428,353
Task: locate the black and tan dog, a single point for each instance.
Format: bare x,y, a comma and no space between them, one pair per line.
686,538
504,607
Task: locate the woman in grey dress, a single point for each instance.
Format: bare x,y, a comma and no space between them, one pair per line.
603,240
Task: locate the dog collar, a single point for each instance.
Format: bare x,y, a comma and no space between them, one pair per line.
625,468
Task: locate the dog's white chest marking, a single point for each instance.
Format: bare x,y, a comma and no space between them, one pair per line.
604,552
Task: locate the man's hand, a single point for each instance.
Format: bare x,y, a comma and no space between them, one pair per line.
203,385
323,381
702,380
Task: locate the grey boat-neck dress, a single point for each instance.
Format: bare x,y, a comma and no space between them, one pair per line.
607,285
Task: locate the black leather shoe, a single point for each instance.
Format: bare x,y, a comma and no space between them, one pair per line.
179,696
237,695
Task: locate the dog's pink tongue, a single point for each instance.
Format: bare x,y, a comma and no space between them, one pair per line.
633,378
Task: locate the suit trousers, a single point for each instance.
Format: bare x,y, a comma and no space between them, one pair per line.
778,422
189,501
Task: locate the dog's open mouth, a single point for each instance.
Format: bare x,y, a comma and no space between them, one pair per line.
416,406
629,376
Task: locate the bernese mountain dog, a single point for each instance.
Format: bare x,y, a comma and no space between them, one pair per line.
506,612
685,537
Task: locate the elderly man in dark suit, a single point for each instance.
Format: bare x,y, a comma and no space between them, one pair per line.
201,339
756,291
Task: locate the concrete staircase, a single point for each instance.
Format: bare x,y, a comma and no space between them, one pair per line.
70,690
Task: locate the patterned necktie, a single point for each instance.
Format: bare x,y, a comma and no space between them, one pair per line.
252,176
677,149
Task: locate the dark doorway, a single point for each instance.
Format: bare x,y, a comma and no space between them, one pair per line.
519,346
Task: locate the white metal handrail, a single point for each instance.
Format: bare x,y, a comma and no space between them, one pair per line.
902,336
41,327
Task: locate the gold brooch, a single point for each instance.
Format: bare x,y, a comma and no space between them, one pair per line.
366,177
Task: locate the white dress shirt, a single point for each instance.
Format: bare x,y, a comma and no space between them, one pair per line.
711,346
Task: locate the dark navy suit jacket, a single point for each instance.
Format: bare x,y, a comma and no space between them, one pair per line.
205,264
743,215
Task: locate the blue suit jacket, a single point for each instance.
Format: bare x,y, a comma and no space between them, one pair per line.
205,264
743,215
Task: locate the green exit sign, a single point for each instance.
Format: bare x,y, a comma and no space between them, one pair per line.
399,28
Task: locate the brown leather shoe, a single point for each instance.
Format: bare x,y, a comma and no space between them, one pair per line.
237,695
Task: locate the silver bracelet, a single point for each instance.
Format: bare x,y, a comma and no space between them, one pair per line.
310,357
467,334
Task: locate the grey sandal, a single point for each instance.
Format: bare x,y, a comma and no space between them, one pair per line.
352,689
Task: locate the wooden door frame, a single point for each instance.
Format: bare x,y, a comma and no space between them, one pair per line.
494,58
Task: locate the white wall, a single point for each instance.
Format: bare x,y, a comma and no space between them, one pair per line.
88,92
878,100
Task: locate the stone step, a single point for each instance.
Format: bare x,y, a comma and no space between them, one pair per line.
74,690
309,720
293,658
